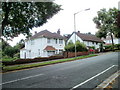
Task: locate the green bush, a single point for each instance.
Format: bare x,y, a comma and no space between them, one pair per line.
8,58
91,47
80,46
117,46
17,55
70,47
108,47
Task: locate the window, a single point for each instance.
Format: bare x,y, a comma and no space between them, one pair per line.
38,51
96,43
60,41
32,42
48,40
56,41
87,43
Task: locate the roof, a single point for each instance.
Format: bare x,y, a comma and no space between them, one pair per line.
47,34
50,48
67,36
89,37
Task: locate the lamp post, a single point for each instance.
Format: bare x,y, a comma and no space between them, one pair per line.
75,25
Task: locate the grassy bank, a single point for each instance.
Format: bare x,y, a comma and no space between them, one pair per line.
18,67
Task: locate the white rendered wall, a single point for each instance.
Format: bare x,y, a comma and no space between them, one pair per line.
36,46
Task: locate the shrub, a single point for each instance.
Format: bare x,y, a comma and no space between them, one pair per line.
70,47
17,55
91,47
108,47
117,46
80,46
23,61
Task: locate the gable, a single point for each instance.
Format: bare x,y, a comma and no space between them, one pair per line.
72,37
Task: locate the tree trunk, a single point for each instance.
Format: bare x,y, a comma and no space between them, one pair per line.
112,42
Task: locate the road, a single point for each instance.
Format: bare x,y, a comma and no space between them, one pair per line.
84,73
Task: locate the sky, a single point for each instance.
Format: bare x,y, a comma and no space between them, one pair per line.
64,20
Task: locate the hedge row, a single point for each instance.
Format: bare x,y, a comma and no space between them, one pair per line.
110,47
23,61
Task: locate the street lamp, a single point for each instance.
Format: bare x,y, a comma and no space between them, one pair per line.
75,25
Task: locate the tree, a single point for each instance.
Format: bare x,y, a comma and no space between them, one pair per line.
118,19
106,23
21,17
3,44
10,51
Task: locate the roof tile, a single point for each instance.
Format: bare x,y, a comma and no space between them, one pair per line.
88,37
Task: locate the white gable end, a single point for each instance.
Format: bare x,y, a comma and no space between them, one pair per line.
72,38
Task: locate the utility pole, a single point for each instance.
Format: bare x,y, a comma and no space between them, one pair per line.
75,26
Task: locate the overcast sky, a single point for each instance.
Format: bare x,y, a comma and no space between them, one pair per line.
64,20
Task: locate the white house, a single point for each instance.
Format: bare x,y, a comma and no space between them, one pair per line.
108,40
88,39
43,44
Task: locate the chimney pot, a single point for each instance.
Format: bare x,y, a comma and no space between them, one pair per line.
35,32
58,32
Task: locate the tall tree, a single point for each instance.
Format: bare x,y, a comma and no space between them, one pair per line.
21,17
106,23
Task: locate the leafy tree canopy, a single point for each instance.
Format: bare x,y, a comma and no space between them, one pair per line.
21,17
106,22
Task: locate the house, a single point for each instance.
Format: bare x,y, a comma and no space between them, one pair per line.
108,40
43,44
88,39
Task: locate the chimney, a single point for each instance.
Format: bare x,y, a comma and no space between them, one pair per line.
58,32
78,31
35,32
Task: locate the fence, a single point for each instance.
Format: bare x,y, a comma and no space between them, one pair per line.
72,54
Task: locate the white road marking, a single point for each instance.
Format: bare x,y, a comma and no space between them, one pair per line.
21,79
93,77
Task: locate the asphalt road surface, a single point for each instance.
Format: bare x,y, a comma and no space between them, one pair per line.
84,73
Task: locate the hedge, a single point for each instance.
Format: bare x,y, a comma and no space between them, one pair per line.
23,61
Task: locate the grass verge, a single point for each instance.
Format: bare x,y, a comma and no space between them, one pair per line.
18,67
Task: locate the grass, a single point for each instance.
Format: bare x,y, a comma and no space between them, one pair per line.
9,59
18,67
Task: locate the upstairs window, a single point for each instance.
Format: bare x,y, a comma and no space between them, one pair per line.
60,41
48,40
56,41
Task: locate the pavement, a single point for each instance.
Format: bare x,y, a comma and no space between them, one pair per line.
83,73
111,82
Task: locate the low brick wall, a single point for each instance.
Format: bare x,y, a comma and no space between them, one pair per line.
72,54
